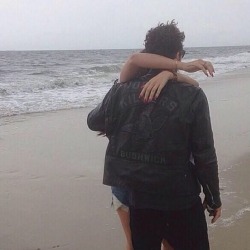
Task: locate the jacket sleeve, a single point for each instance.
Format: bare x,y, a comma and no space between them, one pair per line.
96,118
99,118
202,146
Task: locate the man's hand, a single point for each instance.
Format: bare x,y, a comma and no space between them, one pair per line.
216,213
193,66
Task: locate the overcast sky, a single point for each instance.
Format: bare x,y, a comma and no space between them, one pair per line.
113,24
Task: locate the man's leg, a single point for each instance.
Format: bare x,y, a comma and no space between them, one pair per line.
187,229
147,227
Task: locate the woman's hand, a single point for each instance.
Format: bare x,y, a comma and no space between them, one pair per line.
152,89
193,66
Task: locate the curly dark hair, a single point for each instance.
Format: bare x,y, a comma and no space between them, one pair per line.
165,40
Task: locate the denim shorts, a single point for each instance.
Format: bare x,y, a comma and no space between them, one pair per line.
120,198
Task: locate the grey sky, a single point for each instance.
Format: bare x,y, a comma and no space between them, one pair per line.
97,24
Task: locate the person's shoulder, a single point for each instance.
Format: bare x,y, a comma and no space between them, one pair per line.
186,89
187,94
132,85
187,86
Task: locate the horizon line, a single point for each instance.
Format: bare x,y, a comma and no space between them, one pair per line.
24,50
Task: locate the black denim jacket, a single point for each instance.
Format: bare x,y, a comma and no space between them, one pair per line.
151,144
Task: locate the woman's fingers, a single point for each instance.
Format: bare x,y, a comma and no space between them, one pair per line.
201,67
206,66
146,90
152,89
152,93
162,85
209,67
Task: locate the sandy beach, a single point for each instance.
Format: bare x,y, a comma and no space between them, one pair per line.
51,192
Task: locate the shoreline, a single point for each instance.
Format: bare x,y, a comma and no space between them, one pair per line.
210,81
51,189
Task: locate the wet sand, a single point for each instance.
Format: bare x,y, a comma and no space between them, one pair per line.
229,97
51,192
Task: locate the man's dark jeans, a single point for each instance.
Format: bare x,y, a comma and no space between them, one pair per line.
184,229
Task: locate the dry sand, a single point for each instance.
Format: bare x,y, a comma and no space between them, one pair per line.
51,192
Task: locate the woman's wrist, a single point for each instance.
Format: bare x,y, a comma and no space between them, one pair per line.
174,77
179,65
168,74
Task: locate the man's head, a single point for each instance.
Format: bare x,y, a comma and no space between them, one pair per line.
165,40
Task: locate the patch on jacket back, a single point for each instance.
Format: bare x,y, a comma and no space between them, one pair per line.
144,157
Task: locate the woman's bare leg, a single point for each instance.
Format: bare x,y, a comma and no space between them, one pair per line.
166,246
124,218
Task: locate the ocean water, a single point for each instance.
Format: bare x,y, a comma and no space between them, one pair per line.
40,81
